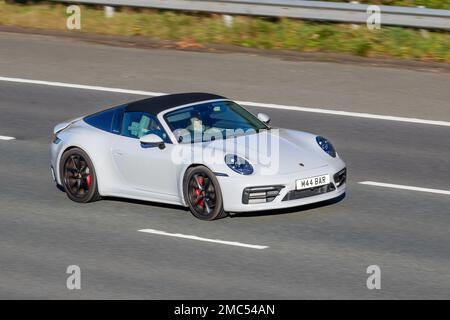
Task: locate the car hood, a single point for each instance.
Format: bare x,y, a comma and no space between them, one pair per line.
287,150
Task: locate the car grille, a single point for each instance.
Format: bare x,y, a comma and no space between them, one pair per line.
340,178
263,194
299,194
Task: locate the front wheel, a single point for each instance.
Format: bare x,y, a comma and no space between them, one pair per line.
202,194
78,176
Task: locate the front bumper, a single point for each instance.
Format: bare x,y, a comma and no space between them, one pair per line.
278,191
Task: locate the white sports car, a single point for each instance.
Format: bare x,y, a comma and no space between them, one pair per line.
197,150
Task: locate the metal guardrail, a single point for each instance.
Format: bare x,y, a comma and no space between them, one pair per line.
309,10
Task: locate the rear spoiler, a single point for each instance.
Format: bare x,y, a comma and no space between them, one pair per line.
64,125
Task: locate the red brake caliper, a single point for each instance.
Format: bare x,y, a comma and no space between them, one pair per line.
197,191
88,180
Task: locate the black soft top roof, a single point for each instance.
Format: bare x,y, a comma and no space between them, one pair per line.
157,104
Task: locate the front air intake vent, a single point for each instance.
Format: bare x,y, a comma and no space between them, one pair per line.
263,194
340,178
305,193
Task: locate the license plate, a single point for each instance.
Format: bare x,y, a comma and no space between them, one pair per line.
312,182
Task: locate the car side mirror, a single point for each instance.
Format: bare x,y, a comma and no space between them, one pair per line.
152,140
264,118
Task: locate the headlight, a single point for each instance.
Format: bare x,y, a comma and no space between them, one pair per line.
326,146
238,164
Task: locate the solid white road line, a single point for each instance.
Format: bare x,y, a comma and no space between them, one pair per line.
245,103
190,237
6,138
398,186
345,113
81,86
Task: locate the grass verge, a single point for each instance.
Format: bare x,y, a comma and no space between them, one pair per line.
432,4
252,32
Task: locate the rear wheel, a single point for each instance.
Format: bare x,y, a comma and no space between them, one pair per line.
78,176
202,194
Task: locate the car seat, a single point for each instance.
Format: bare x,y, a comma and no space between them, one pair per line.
139,129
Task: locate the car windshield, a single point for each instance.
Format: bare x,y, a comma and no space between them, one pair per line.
212,120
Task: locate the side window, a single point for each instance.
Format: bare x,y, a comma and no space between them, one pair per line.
117,120
139,124
101,120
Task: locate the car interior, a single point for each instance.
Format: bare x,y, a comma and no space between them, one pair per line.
139,124
211,120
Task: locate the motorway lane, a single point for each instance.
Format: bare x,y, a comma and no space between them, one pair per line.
321,252
31,111
389,91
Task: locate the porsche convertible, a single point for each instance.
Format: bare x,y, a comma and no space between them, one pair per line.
197,150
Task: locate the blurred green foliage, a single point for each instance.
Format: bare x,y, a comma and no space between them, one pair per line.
435,4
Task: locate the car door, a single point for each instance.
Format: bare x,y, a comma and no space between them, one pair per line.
145,170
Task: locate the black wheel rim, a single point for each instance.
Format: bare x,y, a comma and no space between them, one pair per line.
202,194
77,176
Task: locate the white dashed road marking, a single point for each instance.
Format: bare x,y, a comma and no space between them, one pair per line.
399,186
6,138
190,237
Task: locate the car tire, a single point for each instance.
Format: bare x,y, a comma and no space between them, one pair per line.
202,194
78,176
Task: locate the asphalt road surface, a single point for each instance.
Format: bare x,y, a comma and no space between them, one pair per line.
314,252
